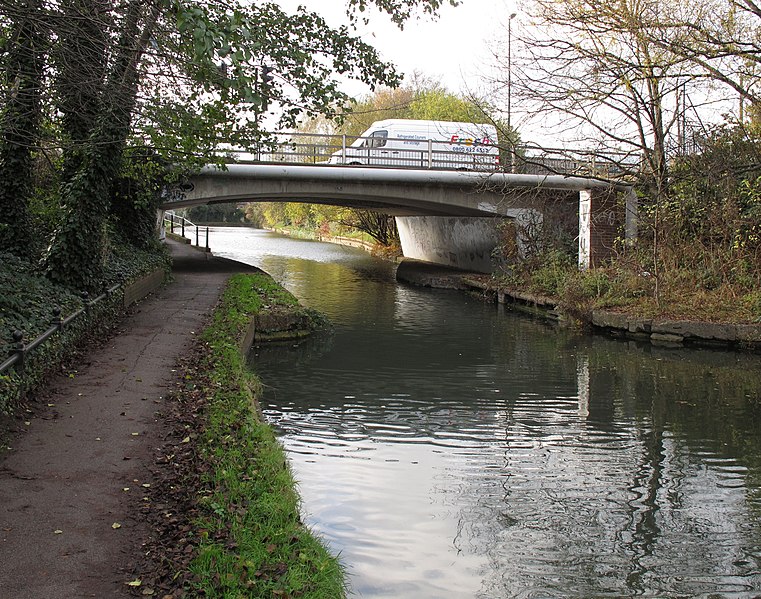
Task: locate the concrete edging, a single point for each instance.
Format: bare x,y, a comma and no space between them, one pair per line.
679,332
143,286
660,332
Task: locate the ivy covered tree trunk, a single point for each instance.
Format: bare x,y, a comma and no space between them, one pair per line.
80,60
77,254
20,128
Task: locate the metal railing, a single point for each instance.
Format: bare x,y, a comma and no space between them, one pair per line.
307,148
347,150
173,221
19,351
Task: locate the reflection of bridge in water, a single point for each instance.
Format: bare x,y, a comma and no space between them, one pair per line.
444,216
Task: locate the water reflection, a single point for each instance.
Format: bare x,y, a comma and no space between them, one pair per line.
450,450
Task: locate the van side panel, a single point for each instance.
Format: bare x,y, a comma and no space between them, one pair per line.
426,144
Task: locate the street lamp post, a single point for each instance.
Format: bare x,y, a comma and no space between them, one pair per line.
510,88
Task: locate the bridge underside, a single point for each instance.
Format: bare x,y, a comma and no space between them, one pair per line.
444,216
382,204
393,191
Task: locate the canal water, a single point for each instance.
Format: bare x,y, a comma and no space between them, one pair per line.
446,448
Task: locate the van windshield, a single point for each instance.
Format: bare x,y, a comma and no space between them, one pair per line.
377,139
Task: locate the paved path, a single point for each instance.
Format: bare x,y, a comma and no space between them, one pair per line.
62,483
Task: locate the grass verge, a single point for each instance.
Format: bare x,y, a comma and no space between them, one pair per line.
241,506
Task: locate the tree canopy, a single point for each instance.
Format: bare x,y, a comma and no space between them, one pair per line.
86,79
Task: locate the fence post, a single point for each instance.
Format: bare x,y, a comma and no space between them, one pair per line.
207,239
183,227
86,301
197,227
57,321
343,149
430,153
171,223
19,349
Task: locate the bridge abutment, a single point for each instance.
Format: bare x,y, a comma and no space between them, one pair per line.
602,220
463,242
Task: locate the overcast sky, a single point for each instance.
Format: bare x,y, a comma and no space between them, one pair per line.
455,48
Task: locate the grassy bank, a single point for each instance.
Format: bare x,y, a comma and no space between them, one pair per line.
240,503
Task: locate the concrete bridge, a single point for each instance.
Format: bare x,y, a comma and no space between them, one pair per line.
445,217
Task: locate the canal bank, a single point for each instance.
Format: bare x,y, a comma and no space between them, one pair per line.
661,331
667,332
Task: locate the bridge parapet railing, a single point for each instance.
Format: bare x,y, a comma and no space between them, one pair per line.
340,150
605,164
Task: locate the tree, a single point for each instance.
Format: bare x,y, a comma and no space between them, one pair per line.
422,98
181,76
216,213
25,45
592,70
380,227
626,79
77,253
721,41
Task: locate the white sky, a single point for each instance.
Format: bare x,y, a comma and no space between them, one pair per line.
456,47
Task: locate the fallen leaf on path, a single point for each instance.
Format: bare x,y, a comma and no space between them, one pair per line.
116,525
135,583
57,532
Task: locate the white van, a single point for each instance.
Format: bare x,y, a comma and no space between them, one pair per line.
405,143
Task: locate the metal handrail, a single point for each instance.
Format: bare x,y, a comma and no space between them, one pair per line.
171,217
19,352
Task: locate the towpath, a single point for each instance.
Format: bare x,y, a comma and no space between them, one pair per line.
70,486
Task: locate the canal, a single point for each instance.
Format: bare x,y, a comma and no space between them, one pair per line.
446,448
